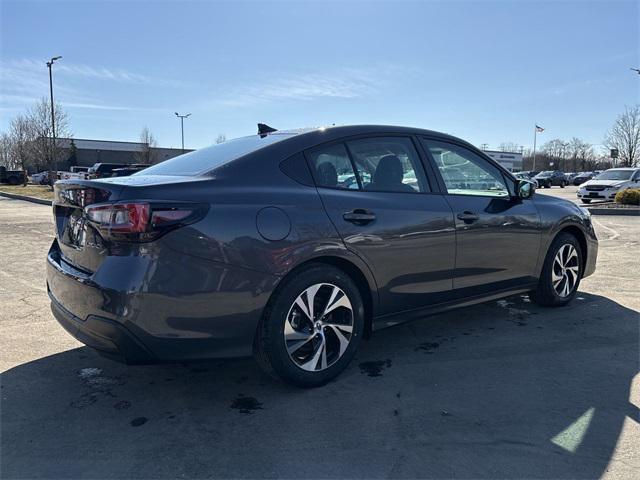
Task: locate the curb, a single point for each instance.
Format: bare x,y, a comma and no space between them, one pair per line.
26,198
615,211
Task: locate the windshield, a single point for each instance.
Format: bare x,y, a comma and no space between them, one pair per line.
209,158
615,175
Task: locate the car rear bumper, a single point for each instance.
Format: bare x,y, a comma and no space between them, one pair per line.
109,338
135,310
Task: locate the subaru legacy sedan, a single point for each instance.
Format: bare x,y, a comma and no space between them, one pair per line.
294,245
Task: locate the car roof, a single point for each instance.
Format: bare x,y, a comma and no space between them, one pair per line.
623,169
348,130
304,138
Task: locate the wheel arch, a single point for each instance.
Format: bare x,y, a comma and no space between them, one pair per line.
366,285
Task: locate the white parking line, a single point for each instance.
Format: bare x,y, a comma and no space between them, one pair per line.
614,234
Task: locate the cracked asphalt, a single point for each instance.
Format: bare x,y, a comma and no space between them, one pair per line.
504,389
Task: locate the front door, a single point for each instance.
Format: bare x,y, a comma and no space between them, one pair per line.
498,235
378,197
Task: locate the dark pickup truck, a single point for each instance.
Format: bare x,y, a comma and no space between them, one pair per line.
12,177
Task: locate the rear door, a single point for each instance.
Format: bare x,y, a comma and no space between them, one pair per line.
497,234
379,198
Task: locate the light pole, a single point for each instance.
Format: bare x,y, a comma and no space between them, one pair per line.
182,117
53,116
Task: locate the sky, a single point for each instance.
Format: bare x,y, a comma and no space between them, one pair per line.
483,71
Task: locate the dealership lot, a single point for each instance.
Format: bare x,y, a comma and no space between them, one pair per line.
506,389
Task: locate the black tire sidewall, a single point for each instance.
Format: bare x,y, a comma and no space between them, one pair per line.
273,325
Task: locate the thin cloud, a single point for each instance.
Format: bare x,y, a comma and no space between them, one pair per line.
25,81
28,67
343,84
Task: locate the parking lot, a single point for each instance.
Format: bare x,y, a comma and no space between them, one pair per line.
505,389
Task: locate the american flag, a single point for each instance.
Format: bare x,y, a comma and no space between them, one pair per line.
539,129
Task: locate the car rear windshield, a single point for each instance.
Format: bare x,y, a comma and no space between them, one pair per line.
207,159
615,175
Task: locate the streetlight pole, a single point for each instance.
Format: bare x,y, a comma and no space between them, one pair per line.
535,135
53,115
182,117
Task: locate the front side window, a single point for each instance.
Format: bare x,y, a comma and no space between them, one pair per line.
465,172
388,164
331,167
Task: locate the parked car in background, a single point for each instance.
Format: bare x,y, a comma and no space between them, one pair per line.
40,178
12,177
551,178
73,174
608,183
104,170
570,176
253,246
126,171
582,177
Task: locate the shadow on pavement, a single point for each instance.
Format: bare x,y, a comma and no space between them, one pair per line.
499,390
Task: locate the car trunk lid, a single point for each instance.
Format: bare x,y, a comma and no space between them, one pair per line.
80,244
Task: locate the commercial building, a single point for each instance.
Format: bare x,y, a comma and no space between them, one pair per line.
512,161
85,152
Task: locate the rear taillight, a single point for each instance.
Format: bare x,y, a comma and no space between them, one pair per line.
141,221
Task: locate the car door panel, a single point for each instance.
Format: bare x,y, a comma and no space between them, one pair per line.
389,218
497,234
409,246
500,248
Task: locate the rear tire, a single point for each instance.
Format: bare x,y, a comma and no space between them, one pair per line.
311,328
561,273
561,184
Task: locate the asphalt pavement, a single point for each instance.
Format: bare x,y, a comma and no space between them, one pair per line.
504,389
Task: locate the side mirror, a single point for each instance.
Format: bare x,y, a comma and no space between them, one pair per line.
525,188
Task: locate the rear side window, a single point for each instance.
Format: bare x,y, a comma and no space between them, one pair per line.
331,167
207,159
388,164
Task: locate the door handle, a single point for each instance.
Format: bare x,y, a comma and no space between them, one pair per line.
359,216
468,217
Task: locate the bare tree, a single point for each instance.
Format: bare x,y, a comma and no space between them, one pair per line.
39,122
6,151
556,150
509,147
625,136
580,155
22,136
148,154
221,138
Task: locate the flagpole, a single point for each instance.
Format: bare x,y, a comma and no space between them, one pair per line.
535,134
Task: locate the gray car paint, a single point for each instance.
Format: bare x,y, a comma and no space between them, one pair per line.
199,291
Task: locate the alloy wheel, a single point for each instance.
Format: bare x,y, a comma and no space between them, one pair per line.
318,327
565,270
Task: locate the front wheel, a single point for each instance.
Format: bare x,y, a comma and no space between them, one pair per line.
312,327
561,184
561,273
